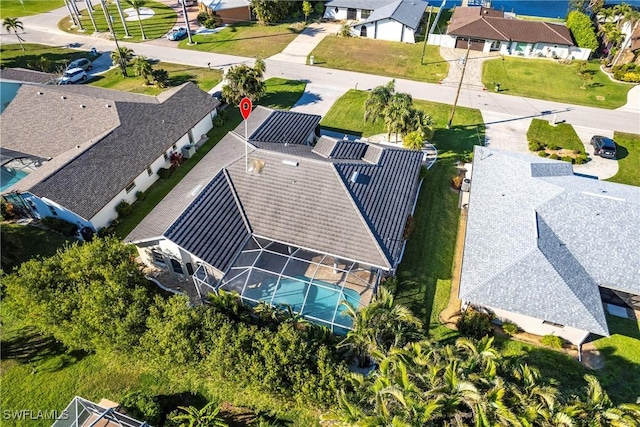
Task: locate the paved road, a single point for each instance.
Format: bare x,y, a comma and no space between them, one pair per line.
41,29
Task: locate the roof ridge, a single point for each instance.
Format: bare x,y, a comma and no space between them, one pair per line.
546,24
484,18
237,200
361,216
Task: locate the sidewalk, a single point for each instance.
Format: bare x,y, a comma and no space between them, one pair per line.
299,49
472,74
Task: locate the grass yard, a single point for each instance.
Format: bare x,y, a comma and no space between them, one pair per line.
178,74
628,153
557,142
18,8
20,243
280,94
552,81
247,39
56,57
155,27
393,59
426,269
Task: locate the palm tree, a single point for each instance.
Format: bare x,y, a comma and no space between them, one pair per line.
137,4
208,416
377,101
622,12
397,115
260,67
124,53
142,67
597,410
345,31
13,24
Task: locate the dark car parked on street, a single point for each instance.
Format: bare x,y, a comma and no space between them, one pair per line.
604,147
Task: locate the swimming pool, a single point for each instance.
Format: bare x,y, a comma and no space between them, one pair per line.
9,176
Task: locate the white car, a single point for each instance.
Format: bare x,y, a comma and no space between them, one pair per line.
72,76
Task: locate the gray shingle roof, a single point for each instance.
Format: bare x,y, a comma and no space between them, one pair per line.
27,76
93,178
385,193
222,228
407,12
540,240
285,127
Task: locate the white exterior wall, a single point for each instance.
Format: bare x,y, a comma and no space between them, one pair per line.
537,327
43,207
143,181
170,250
386,29
441,40
341,14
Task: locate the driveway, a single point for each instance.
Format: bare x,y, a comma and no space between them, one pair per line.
317,99
472,73
597,166
299,49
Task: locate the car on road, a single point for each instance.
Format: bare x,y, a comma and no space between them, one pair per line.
177,33
83,63
72,76
604,147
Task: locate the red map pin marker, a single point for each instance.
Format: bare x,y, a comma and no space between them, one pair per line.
245,107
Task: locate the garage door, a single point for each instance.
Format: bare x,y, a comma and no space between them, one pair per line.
476,44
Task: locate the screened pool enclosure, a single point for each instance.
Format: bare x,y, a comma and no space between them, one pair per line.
311,283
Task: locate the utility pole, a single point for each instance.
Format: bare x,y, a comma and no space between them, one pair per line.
90,12
124,23
186,19
464,67
71,14
426,36
74,7
123,64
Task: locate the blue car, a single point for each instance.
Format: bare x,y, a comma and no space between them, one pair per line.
177,33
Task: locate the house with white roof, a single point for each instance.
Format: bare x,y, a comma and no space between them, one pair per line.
547,249
397,20
286,218
74,152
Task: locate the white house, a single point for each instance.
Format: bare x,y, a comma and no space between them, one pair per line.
490,30
397,20
75,152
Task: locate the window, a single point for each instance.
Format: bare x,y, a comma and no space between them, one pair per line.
175,147
53,210
365,13
130,187
157,257
177,267
166,156
149,171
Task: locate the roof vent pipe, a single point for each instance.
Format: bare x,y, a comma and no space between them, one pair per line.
289,162
354,176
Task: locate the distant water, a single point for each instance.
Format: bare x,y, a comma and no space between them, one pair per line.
546,8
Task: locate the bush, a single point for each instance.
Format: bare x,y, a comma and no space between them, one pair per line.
553,146
627,73
474,323
536,146
164,173
543,153
567,159
140,195
202,17
582,30
142,406
581,159
552,341
457,182
409,227
160,77
553,156
124,209
218,121
7,210
60,225
510,328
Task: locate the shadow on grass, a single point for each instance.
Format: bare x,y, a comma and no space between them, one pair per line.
178,79
621,151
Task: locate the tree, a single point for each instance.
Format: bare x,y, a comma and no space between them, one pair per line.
137,4
208,416
345,31
124,52
13,24
585,74
142,67
160,77
413,141
597,410
307,9
582,29
377,101
397,115
242,81
270,11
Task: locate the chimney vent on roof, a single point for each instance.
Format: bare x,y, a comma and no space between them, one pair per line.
63,97
108,105
40,93
83,106
354,176
289,162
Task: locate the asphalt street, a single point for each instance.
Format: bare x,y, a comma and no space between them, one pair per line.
42,29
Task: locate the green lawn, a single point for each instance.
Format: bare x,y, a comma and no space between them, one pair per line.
21,243
426,269
280,94
155,27
560,140
178,74
550,80
393,59
628,153
16,8
247,39
56,57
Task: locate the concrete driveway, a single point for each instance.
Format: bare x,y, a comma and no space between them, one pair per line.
597,166
298,50
317,99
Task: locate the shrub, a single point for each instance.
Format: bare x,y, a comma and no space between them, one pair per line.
176,159
474,323
142,406
123,208
568,159
581,159
409,227
164,173
536,146
628,72
140,195
202,17
552,341
457,182
60,225
218,121
553,156
553,146
510,328
543,153
582,30
160,77
7,209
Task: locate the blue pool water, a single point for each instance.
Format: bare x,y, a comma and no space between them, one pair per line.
8,177
546,8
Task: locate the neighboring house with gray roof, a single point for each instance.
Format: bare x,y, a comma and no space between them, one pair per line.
286,213
549,250
394,20
93,148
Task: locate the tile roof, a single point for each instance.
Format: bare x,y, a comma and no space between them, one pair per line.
217,215
540,240
285,127
490,24
142,132
339,149
27,76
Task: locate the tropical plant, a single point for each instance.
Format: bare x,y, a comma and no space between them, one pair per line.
244,81
142,67
160,77
413,141
597,410
345,31
14,24
123,54
307,9
377,101
207,416
137,4
269,11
